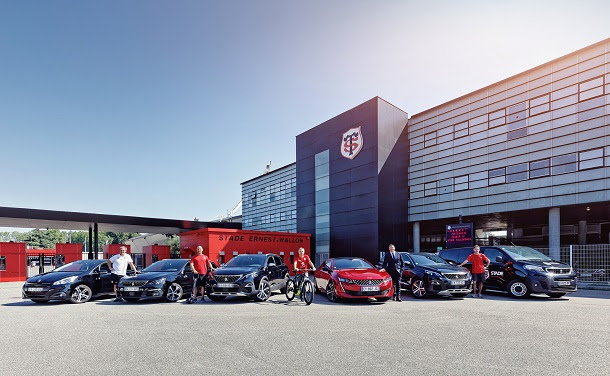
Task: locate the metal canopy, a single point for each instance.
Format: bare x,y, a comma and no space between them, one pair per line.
62,220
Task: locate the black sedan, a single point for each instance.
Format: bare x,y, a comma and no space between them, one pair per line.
165,279
254,276
428,274
76,282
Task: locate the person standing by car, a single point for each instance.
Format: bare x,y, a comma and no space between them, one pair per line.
200,264
479,263
118,266
300,264
393,264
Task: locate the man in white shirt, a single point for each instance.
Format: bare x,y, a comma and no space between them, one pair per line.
118,267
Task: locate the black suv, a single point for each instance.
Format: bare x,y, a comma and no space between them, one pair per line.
520,270
428,274
254,276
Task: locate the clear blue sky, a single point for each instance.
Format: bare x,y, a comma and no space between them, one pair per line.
162,109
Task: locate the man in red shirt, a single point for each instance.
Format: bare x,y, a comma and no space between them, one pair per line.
479,263
199,264
301,264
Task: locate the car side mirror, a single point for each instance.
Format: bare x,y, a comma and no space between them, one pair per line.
271,264
408,263
500,259
326,269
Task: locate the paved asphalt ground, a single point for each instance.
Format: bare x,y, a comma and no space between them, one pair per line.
495,335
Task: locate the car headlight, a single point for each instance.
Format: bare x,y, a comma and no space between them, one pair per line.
389,279
535,268
158,281
65,281
251,275
345,280
433,275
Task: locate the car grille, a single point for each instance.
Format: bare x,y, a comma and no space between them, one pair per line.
133,283
558,270
226,278
366,293
367,282
456,275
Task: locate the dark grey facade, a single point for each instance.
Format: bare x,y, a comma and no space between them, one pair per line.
354,207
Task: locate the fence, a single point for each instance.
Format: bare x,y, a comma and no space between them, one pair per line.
591,262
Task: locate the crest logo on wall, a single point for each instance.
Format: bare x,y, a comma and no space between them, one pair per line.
351,143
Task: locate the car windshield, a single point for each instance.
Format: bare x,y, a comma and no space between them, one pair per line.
247,261
165,266
428,259
352,263
525,253
78,266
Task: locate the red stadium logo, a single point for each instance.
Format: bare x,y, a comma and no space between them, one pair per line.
351,143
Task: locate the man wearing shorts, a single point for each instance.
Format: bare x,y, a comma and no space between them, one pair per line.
479,263
301,264
118,266
199,264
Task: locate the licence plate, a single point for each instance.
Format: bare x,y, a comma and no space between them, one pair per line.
34,288
224,285
131,288
563,283
369,288
457,282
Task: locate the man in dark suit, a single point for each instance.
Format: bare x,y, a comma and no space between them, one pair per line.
393,264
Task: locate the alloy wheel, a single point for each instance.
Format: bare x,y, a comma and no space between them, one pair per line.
264,290
331,293
81,294
174,292
419,288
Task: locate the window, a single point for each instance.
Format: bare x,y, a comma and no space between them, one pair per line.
516,172
517,133
540,168
2,262
430,139
461,183
497,176
430,189
461,129
492,254
563,164
591,159
591,88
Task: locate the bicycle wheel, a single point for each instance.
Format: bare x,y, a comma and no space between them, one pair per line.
290,288
307,292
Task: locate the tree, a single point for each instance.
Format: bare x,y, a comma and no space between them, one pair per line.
174,245
120,237
45,239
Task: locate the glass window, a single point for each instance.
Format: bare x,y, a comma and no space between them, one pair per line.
591,159
599,81
492,254
516,177
323,208
322,170
516,168
540,100
516,108
540,168
596,92
3,263
517,133
322,183
497,172
461,179
321,158
564,163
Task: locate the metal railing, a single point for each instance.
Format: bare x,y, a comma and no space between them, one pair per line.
591,262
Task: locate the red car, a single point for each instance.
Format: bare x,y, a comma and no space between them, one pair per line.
352,278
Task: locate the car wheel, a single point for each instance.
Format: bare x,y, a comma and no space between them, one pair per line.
418,287
518,289
331,292
217,298
40,301
81,294
460,295
174,292
556,294
286,279
264,290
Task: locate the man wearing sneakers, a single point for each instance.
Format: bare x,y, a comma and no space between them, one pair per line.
479,263
199,264
118,267
301,264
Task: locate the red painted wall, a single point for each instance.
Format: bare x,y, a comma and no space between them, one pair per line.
14,254
110,250
220,245
162,252
71,252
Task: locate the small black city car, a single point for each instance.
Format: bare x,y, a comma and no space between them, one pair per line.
428,274
166,279
520,271
254,276
76,282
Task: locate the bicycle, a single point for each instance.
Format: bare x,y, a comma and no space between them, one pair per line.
305,288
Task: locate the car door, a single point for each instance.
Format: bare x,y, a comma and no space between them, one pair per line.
102,283
282,270
185,277
496,278
407,271
323,274
272,272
